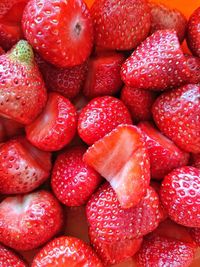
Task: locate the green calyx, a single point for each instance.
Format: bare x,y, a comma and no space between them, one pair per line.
22,52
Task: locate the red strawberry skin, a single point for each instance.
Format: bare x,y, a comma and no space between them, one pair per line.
194,66
163,251
65,36
22,166
103,76
180,196
55,127
9,128
164,154
195,232
28,221
8,258
193,33
157,64
138,102
100,116
23,93
1,51
176,114
73,181
164,18
195,160
65,81
66,251
120,25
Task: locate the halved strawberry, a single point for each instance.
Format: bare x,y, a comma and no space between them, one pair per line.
8,258
22,166
193,33
121,157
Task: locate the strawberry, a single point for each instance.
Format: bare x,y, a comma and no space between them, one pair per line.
10,22
80,102
114,252
180,195
103,76
121,157
195,160
22,90
164,18
163,251
194,66
9,259
73,181
121,24
64,35
195,232
138,102
1,51
28,221
176,114
110,222
66,251
9,128
157,64
193,33
66,81
100,116
55,127
164,154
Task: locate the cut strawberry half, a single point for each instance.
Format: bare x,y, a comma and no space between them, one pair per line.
122,159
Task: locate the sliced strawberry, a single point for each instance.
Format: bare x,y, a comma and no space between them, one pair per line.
164,18
9,128
73,181
138,102
100,116
121,24
111,222
176,114
164,154
194,66
114,252
55,127
28,221
8,258
193,33
157,64
66,251
180,196
104,75
195,160
22,166
163,251
121,157
64,35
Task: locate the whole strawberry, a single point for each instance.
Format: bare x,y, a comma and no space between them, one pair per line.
9,259
180,194
28,221
66,251
60,31
157,64
120,25
22,90
177,115
193,33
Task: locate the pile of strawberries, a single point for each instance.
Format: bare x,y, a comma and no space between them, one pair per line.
99,109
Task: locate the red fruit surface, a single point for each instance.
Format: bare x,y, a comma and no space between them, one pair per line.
100,116
177,115
193,33
180,195
66,251
1,51
22,90
22,166
55,127
164,18
28,221
194,66
120,25
80,102
195,160
110,222
60,31
73,181
8,258
195,232
163,251
138,102
122,159
9,128
164,154
157,64
103,76
114,252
